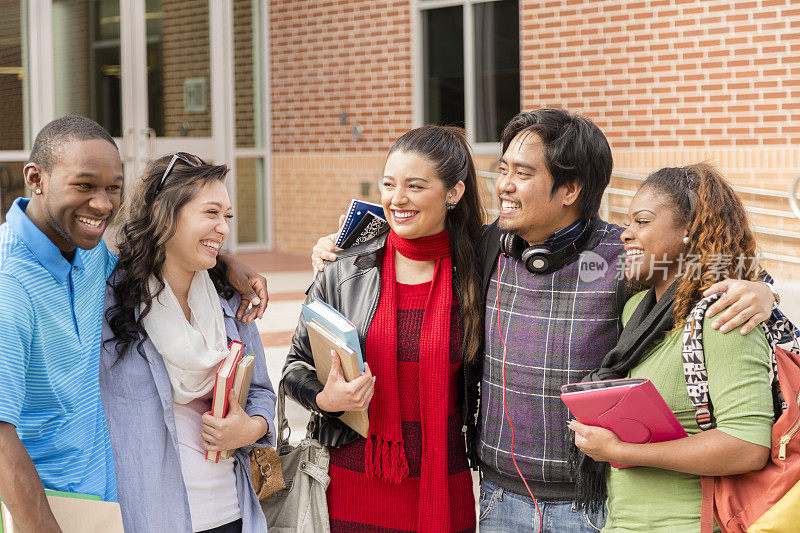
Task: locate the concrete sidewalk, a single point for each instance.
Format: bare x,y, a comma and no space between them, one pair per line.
288,277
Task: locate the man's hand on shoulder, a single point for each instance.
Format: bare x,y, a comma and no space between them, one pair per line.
324,250
251,285
745,302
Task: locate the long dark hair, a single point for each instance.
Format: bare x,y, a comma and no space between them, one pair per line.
448,151
150,221
718,228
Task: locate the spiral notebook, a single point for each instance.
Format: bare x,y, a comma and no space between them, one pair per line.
371,226
357,210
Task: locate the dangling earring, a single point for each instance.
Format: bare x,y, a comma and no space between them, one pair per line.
686,240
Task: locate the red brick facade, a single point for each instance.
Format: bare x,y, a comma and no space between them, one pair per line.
331,56
670,82
668,73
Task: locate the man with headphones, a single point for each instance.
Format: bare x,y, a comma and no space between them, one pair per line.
553,304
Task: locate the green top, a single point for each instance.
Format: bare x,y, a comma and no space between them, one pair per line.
654,499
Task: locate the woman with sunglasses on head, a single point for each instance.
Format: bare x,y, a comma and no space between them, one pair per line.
169,319
413,295
687,230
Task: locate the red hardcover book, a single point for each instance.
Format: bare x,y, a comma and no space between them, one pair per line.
226,372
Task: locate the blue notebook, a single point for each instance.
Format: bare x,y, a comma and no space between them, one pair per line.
336,323
357,210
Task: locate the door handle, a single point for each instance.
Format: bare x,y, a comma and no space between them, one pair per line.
127,145
149,135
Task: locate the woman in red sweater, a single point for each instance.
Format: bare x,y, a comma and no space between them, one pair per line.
414,297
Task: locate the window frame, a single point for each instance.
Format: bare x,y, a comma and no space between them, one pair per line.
418,7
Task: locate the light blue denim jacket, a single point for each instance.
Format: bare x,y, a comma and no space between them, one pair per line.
137,400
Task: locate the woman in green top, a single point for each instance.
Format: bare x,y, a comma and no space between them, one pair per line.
687,229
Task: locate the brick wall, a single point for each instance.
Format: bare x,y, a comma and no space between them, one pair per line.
328,57
668,73
673,82
331,56
670,82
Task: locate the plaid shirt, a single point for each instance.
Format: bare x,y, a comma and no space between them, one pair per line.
557,327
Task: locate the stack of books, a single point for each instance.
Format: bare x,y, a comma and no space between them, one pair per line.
234,369
330,330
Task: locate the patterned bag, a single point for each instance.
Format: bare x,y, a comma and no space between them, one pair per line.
266,472
767,499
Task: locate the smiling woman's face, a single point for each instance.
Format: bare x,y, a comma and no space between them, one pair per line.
413,197
653,240
202,227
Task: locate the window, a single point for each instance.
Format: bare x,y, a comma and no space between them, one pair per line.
469,65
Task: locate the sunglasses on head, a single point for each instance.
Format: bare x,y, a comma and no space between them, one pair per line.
190,159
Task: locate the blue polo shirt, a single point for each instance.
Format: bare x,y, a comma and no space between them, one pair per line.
51,313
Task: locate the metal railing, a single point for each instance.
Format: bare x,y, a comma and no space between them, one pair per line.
606,209
493,209
793,196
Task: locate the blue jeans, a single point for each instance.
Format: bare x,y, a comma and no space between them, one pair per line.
506,512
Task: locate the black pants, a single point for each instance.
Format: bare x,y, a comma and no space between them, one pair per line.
231,527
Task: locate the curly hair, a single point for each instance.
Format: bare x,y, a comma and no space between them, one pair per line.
721,241
448,151
149,222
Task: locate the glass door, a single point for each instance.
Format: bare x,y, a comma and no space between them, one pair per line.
141,68
161,75
15,137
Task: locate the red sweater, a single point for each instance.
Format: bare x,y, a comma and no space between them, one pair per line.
357,503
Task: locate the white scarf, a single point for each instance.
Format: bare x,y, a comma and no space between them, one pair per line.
191,350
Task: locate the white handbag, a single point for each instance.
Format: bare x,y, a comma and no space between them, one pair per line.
302,506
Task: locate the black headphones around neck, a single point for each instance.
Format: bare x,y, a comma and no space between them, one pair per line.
538,259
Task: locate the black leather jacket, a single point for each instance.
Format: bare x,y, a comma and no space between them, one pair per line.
351,284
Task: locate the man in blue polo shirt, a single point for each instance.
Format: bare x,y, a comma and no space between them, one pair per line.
53,270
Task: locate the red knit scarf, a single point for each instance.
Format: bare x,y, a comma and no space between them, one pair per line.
385,455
